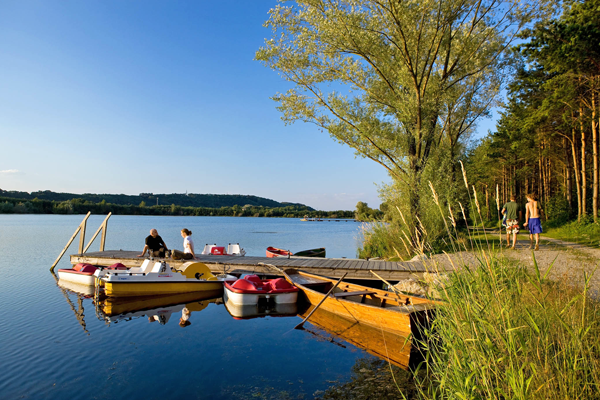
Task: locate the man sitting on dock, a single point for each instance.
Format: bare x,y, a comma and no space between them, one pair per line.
155,246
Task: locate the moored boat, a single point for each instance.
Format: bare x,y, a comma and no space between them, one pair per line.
259,310
233,249
250,289
273,252
396,313
83,273
391,347
159,278
320,252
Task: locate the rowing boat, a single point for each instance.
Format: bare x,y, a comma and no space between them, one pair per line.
396,313
320,252
393,348
273,252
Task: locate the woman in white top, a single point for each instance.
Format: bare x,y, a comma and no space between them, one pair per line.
188,247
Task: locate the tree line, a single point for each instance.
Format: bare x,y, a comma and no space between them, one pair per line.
546,141
9,205
180,199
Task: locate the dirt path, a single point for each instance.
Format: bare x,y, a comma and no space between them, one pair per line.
569,261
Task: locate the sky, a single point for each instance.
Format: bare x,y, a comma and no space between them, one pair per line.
147,96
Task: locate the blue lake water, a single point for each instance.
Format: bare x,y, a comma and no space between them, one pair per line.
54,345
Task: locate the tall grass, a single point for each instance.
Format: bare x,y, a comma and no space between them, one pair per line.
506,333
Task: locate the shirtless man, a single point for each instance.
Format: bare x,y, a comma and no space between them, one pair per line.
532,220
155,245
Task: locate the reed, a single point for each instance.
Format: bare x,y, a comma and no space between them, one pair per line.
506,333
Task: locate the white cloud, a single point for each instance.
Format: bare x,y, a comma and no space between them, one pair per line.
9,171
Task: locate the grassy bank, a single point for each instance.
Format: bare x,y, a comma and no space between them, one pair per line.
509,333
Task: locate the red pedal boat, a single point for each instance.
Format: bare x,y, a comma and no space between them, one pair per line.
248,290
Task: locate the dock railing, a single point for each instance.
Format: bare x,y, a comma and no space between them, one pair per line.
81,229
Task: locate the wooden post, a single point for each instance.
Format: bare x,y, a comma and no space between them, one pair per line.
102,238
79,228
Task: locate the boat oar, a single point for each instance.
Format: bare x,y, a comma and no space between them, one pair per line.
299,326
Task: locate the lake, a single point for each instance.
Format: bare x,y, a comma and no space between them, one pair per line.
58,344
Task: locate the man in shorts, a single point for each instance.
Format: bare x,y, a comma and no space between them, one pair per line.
510,210
532,220
155,246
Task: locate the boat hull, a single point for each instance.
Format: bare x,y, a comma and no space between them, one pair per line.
380,309
273,252
318,253
81,278
131,289
244,299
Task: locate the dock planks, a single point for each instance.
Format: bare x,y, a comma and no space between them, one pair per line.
332,267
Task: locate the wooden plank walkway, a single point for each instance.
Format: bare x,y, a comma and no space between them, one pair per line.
332,267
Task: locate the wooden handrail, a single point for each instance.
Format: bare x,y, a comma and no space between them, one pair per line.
81,228
103,237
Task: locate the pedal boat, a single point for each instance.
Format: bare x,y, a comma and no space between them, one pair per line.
158,278
83,274
250,289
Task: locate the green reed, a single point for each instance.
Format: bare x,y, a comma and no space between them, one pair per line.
506,333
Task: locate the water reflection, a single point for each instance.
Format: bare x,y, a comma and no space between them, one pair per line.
81,292
260,310
395,349
157,308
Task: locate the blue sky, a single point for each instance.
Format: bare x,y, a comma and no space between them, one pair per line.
163,97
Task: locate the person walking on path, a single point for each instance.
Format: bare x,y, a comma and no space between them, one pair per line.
155,245
510,210
532,220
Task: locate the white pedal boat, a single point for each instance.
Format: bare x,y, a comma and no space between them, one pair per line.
83,274
248,290
158,278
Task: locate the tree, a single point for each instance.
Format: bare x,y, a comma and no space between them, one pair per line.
402,83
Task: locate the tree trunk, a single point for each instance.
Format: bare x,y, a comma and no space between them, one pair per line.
576,172
595,158
583,167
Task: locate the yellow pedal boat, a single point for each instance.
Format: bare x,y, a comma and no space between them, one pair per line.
158,278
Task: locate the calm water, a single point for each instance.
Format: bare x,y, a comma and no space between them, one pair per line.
47,352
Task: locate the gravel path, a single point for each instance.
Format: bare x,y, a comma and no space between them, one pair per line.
569,261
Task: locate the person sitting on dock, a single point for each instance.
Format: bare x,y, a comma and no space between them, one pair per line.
188,247
155,245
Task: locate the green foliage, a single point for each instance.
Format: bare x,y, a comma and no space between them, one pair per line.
80,206
402,83
365,213
183,200
504,333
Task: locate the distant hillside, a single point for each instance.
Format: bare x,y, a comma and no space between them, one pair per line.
151,199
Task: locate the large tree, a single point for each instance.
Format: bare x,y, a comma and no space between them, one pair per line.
401,82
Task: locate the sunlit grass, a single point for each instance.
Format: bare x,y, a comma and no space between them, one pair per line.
506,333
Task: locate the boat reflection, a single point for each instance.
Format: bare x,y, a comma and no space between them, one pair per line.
396,349
261,309
157,308
81,292
78,288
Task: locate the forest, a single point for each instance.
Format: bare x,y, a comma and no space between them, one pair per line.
149,199
546,141
9,205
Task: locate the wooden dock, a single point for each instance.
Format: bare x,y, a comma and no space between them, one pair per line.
332,267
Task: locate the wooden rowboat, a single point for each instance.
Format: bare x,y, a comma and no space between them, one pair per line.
320,252
395,313
273,252
393,348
